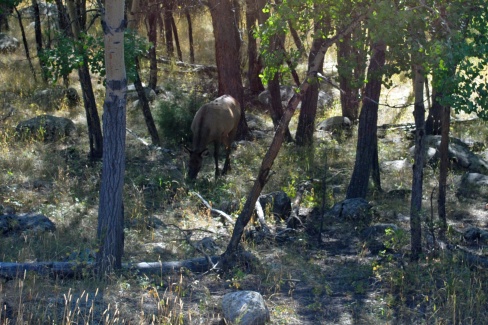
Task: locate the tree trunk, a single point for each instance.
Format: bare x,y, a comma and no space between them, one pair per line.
38,35
368,119
306,119
64,26
190,36
230,255
26,46
276,105
168,32
110,231
92,118
177,39
152,35
146,110
433,124
227,45
418,167
254,63
444,166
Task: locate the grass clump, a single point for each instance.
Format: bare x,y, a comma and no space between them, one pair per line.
174,116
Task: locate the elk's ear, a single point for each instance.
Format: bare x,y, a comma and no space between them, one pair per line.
188,150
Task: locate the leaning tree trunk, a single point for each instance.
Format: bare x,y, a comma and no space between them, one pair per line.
26,46
230,256
92,118
418,167
227,45
177,39
276,105
110,231
367,139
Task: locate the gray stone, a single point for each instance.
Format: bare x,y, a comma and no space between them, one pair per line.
476,234
245,308
8,43
51,99
132,93
473,185
10,224
395,165
334,123
287,93
279,202
357,209
50,128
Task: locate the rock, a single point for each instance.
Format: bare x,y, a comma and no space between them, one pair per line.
245,308
473,185
459,153
51,99
395,165
8,43
47,127
132,93
10,224
357,209
476,234
279,202
334,124
287,92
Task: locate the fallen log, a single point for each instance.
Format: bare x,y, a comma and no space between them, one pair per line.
75,269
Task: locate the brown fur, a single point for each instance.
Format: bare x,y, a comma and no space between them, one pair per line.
215,122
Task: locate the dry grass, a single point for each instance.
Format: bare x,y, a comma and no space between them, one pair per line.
336,282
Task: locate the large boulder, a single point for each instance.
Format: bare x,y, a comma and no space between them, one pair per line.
334,124
47,127
459,153
52,98
356,210
279,203
473,185
287,92
11,224
245,308
8,43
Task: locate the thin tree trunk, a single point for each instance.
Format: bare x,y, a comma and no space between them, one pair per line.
254,63
168,32
177,39
38,35
152,35
418,167
368,119
92,118
64,26
444,166
308,111
276,105
190,36
110,231
26,46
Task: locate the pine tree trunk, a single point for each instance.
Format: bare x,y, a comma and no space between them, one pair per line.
38,35
152,36
110,231
227,45
418,167
190,36
368,119
254,63
26,46
443,169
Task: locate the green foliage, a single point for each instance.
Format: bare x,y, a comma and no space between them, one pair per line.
70,54
174,117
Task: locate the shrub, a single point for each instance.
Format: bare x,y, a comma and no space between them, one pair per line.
174,117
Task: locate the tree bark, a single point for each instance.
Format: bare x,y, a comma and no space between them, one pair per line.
92,118
306,119
168,32
227,45
177,39
190,36
26,46
38,35
254,63
152,35
276,105
443,167
110,230
368,119
418,167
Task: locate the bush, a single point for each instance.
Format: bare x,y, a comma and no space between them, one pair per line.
174,117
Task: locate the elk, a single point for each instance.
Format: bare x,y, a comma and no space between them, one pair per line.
215,122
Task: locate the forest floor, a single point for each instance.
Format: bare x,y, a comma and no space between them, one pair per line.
316,275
